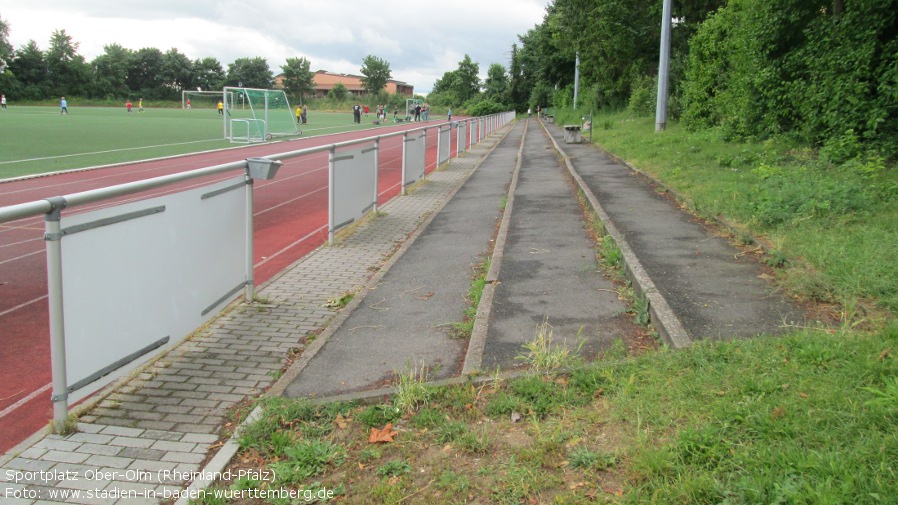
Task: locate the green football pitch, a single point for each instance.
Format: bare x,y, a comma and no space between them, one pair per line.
38,140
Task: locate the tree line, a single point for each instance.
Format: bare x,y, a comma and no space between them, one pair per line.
824,71
29,73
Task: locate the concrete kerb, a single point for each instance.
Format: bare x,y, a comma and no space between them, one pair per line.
662,316
477,342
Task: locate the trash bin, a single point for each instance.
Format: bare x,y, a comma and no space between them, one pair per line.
572,134
550,119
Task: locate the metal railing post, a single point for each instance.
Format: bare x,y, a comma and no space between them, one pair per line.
53,238
376,169
331,177
404,144
250,290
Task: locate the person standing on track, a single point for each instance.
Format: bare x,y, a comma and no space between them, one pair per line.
63,106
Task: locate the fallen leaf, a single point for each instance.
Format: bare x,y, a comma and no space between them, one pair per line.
884,354
613,490
341,421
778,412
382,436
803,394
426,296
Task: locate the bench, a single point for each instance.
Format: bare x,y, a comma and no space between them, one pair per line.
572,134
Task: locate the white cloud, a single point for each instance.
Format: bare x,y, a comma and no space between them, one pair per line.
421,41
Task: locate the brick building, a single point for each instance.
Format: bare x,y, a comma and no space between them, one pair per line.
325,81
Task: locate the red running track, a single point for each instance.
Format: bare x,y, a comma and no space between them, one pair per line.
290,215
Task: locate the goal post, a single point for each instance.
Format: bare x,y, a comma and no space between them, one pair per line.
268,109
205,99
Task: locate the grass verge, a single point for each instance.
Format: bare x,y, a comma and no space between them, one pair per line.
808,418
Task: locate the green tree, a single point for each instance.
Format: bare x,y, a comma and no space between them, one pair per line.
67,72
30,72
110,71
252,72
496,84
145,73
177,73
376,73
6,49
7,78
298,78
338,92
467,80
207,74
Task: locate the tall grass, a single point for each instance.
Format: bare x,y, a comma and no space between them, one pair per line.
835,225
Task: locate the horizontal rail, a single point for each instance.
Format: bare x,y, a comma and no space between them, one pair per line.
39,207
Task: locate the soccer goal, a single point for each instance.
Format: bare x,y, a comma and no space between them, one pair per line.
205,100
267,112
410,104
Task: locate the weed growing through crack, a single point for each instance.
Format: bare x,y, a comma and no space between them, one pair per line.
545,356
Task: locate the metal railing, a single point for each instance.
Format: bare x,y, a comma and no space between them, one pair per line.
474,129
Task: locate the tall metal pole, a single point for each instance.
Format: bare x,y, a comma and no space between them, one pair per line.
576,79
663,68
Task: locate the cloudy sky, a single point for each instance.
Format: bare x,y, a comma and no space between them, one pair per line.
421,40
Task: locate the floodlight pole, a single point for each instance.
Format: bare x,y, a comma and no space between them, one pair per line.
576,79
663,69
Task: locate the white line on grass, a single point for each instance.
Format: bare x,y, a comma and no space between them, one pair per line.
105,152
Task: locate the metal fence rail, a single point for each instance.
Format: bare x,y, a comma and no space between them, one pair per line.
469,132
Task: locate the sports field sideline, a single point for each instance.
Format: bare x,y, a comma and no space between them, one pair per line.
40,140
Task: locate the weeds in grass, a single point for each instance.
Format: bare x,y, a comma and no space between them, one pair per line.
582,457
545,356
464,328
412,391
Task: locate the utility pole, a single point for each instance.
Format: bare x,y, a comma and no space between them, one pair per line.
576,79
663,69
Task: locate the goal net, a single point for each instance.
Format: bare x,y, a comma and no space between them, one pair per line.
205,100
264,109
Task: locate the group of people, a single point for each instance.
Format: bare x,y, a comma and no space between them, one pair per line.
128,105
422,112
302,114
380,112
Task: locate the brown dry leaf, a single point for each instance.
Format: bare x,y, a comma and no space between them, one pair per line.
616,491
777,413
341,421
426,296
382,436
884,354
803,394
578,485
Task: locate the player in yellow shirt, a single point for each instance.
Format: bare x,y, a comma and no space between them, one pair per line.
220,108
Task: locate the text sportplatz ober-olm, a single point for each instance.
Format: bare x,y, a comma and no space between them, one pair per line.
168,475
